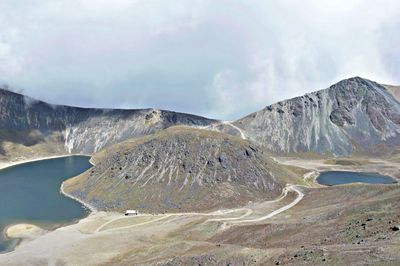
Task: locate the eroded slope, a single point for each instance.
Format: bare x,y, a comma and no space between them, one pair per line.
29,126
179,169
353,115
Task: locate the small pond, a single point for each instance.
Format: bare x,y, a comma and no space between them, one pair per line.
331,178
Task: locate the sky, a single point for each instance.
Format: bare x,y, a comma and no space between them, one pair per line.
221,59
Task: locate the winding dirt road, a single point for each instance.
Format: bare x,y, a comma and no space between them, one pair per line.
242,135
230,220
280,210
215,213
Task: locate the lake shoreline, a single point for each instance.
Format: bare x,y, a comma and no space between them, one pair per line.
4,165
24,236
87,205
21,233
7,164
25,231
372,165
91,208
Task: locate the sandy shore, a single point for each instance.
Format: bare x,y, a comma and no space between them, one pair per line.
24,231
21,233
6,164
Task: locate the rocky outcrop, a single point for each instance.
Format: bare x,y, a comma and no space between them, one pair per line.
27,121
353,115
178,169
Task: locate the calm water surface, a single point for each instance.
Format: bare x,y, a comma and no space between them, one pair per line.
30,192
331,178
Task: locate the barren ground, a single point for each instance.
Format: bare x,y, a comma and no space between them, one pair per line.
349,224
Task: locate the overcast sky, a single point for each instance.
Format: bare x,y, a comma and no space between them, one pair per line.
222,59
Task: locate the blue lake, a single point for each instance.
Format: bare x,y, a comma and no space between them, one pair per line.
331,178
30,192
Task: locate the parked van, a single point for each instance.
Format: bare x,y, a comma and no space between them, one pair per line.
131,212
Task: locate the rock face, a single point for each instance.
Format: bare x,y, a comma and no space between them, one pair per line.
353,115
26,121
178,169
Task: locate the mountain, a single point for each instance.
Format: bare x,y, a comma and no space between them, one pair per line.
179,168
354,115
29,127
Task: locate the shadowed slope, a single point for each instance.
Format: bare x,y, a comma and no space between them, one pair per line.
28,126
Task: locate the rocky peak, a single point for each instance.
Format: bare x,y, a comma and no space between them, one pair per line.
355,113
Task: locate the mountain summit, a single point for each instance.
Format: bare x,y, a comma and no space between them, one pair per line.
354,115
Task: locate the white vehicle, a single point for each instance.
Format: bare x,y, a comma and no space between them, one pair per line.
131,212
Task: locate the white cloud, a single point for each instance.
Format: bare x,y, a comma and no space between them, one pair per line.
11,63
220,58
308,45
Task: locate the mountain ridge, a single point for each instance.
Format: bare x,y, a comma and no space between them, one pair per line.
329,120
29,122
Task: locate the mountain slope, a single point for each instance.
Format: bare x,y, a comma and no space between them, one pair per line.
394,90
179,168
353,115
29,125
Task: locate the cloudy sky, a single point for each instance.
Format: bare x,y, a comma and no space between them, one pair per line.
221,59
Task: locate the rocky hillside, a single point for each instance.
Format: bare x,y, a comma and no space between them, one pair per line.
28,125
179,169
354,115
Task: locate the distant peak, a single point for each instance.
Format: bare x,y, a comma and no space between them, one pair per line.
354,83
354,79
